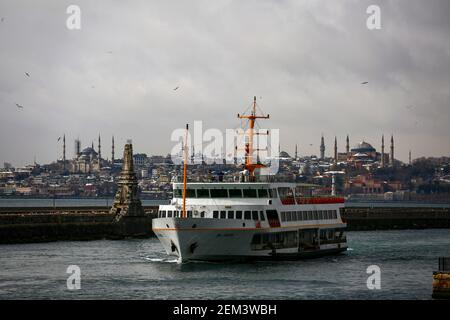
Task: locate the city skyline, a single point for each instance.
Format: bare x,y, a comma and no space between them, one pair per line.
120,78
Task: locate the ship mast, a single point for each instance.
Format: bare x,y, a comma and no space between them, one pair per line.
249,165
185,172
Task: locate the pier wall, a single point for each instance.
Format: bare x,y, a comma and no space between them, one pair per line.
391,218
20,225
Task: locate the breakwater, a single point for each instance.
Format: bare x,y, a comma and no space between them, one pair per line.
396,217
20,225
41,224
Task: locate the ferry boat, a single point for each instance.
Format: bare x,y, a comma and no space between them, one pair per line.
249,220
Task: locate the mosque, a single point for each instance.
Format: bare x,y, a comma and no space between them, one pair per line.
87,160
363,153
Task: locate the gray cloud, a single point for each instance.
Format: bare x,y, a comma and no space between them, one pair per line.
305,58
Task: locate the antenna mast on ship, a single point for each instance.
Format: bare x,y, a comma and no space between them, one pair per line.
249,165
185,172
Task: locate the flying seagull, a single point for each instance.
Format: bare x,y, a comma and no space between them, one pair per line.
2,19
365,82
176,88
19,106
59,138
27,74
109,51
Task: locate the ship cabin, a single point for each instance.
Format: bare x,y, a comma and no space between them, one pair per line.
285,202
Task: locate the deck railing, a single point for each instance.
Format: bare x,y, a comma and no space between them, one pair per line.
312,200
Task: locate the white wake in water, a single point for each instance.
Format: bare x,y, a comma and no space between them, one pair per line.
164,260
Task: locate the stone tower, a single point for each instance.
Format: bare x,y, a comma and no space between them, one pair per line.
322,148
391,157
127,202
382,151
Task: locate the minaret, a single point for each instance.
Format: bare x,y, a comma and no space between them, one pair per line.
64,152
77,148
92,145
347,147
99,148
382,151
296,152
322,148
335,151
410,162
391,157
112,151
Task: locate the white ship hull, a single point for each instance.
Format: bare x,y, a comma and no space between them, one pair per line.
209,239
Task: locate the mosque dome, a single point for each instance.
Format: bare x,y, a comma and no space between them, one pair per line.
363,147
284,154
88,152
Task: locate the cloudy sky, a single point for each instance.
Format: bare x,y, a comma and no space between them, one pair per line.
304,60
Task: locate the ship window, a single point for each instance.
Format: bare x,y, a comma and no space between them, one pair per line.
299,215
309,215
202,193
169,214
262,193
273,193
320,215
304,216
219,193
262,217
177,193
163,214
288,216
190,193
334,214
238,214
314,215
235,193
247,215
249,193
230,214
283,216
223,214
285,192
255,215
215,214
202,214
189,213
330,213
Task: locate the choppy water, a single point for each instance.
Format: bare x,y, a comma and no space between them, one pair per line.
139,269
